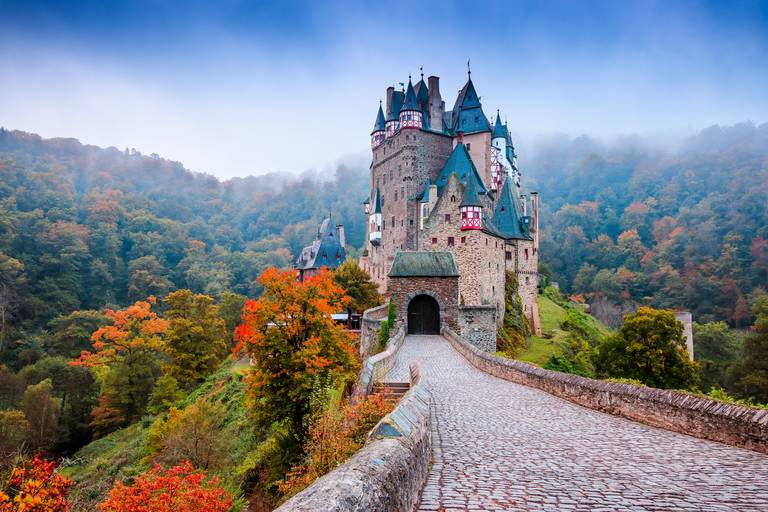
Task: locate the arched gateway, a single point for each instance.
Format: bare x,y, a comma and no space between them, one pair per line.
423,315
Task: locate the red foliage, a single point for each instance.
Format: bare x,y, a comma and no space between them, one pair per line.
173,490
35,487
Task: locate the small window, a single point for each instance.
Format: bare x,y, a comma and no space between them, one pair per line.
393,221
497,244
395,195
526,254
434,240
463,239
508,255
527,279
383,225
447,217
402,222
410,222
453,199
469,146
463,215
450,241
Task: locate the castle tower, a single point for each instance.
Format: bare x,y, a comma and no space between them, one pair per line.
379,129
410,113
471,208
374,221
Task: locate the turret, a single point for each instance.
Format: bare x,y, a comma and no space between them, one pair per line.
471,208
410,113
499,135
374,221
379,127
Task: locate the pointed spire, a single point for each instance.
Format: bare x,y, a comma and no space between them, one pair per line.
499,129
469,70
471,197
380,123
410,97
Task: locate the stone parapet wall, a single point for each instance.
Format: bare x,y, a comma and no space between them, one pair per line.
369,328
477,325
377,366
696,416
387,474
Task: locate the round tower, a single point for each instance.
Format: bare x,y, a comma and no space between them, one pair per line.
374,221
410,114
471,208
379,127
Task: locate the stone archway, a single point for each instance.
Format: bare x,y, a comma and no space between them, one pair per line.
423,315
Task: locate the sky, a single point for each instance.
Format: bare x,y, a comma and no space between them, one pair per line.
234,88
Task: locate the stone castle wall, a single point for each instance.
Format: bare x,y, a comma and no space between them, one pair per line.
477,325
671,410
443,289
525,266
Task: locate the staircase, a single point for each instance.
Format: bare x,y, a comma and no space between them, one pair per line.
391,390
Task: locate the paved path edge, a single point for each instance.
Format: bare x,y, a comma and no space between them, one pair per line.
671,410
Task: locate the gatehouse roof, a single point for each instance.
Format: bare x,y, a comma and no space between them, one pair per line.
424,264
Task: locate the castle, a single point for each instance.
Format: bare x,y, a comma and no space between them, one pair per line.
446,214
328,249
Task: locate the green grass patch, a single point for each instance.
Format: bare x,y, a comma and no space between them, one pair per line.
552,340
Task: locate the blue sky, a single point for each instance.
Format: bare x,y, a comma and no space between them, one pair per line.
235,88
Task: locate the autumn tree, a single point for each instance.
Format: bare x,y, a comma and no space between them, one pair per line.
70,334
357,285
196,339
178,488
293,344
649,347
35,486
165,393
41,410
231,309
128,348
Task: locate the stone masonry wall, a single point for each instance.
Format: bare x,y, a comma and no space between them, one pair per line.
671,410
477,325
387,474
444,289
369,328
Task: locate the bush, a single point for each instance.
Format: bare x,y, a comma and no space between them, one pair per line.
383,334
515,330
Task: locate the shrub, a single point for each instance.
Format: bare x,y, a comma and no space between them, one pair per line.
35,486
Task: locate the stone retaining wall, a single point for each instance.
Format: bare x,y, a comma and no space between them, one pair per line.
369,328
387,474
477,325
377,366
699,417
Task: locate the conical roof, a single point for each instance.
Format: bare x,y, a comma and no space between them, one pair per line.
377,202
468,116
471,197
461,164
499,129
380,123
410,98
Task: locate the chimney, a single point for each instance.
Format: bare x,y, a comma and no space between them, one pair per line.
435,104
390,91
340,234
525,205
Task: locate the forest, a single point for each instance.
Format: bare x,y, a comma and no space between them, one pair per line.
124,278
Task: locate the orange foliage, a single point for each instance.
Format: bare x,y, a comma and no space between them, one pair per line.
35,487
134,328
180,488
334,436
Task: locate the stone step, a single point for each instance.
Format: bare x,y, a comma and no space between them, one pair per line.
391,390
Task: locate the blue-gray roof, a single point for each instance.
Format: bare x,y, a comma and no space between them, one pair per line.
471,197
377,202
410,98
460,163
468,116
507,218
326,250
397,102
424,264
499,129
380,123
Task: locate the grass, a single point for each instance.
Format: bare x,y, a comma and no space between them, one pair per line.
552,340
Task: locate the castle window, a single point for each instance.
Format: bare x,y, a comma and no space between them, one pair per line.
497,244
410,222
463,239
434,240
393,221
453,199
494,290
384,224
526,279
534,251
395,195
450,241
508,255
470,145
526,254
402,222
447,217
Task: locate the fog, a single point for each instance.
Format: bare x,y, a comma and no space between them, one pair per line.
292,87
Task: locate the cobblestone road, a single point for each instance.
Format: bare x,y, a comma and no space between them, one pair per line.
502,446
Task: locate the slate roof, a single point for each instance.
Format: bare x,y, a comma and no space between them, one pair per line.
424,264
380,123
398,97
499,129
507,217
471,198
460,163
325,250
410,98
468,116
377,202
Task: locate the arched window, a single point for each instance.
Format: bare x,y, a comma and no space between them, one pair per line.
453,199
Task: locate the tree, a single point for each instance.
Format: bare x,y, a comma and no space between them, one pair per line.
165,393
192,433
357,285
69,334
230,310
717,347
515,329
649,347
172,490
35,486
41,410
196,339
13,433
749,375
293,344
129,349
